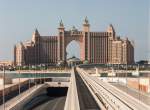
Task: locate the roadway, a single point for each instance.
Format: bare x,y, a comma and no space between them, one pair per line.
45,102
56,103
86,100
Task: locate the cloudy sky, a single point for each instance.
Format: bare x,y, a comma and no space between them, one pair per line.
19,18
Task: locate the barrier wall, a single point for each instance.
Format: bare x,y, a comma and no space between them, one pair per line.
19,104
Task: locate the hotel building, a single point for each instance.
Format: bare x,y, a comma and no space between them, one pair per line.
95,47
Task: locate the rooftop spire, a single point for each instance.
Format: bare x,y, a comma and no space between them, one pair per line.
111,28
86,21
61,23
35,35
36,32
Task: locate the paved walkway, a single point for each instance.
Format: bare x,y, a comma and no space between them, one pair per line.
140,96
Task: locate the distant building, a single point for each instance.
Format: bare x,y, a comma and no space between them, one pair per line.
143,62
73,61
95,47
8,80
122,51
40,50
6,63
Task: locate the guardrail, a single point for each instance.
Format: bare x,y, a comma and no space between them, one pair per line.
18,102
72,101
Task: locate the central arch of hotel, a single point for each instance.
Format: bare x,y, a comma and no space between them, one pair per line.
65,38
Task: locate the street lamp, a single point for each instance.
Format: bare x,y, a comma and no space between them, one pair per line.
35,75
126,78
29,77
19,79
3,86
138,75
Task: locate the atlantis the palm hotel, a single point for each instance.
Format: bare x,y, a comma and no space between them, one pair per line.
95,47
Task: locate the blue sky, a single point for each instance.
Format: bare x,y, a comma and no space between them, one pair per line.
19,18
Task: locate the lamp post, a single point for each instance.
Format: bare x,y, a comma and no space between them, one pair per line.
29,77
19,80
40,73
45,72
35,79
4,87
126,78
138,75
118,70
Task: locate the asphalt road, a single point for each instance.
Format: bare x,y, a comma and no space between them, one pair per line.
45,102
54,104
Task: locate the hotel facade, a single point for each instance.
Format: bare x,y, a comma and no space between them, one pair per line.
95,47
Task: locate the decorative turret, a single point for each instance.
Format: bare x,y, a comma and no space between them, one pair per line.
86,25
86,21
111,30
74,29
61,24
61,28
36,32
35,35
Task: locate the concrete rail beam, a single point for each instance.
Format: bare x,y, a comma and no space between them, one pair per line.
72,101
